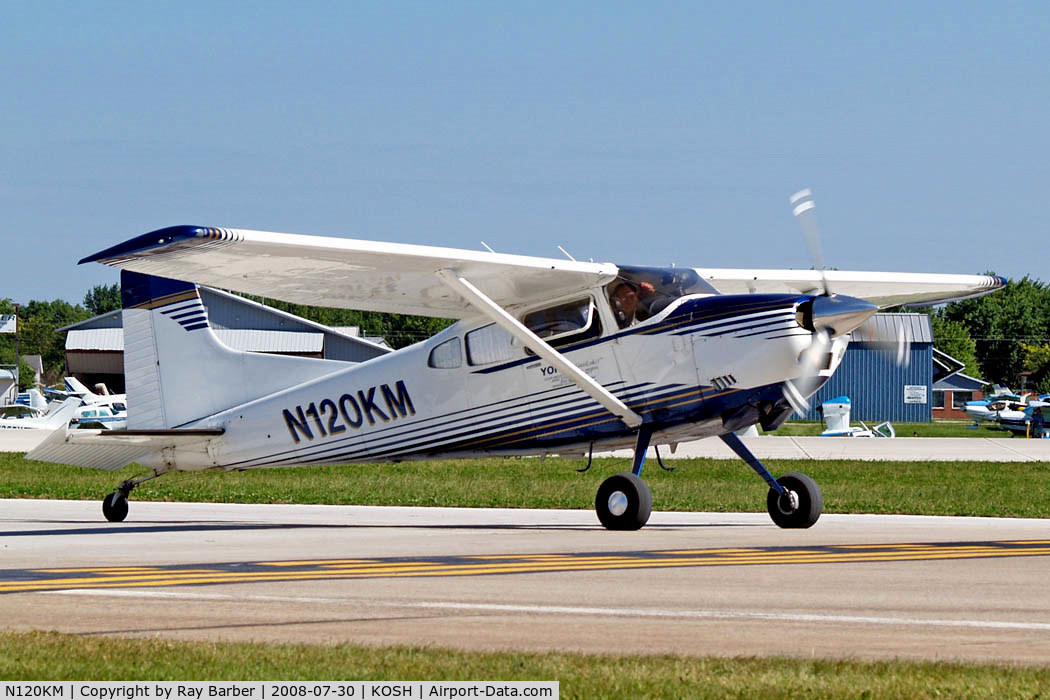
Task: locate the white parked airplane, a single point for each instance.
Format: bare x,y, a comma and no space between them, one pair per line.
57,416
102,410
31,404
548,357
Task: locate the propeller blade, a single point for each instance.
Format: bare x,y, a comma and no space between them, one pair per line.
903,346
797,391
798,402
893,343
804,209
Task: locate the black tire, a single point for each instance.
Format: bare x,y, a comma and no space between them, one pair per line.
810,502
115,507
624,502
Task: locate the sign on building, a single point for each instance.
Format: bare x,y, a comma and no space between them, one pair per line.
914,393
7,323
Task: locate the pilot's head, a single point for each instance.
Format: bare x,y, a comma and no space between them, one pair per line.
626,297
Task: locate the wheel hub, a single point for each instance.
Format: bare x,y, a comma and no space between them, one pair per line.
788,503
617,503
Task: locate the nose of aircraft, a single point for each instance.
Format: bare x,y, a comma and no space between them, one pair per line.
837,314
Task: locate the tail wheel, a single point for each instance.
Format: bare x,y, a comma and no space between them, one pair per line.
624,502
800,507
115,507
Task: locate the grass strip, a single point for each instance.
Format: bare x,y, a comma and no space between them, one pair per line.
997,489
55,656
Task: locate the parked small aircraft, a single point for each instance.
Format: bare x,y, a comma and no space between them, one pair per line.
1019,422
29,404
548,357
99,410
988,408
57,416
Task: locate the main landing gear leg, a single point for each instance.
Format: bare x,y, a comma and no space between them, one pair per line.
624,501
115,505
794,500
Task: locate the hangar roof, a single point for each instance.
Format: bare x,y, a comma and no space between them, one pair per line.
112,340
241,324
885,328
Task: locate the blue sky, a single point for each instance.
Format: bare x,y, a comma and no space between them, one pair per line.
639,133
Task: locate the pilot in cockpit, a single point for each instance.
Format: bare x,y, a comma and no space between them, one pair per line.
628,302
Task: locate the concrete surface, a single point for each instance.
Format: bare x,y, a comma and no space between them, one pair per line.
688,583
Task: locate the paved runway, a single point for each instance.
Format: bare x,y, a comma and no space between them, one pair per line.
689,583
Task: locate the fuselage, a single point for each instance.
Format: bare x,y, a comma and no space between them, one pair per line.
703,365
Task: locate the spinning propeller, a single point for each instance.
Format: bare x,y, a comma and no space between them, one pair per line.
826,315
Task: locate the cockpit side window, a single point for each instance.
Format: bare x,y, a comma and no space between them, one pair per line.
565,323
639,293
448,355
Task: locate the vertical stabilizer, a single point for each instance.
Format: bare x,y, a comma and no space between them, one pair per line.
62,414
75,387
141,295
37,400
177,371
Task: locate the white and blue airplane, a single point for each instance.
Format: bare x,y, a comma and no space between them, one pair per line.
548,356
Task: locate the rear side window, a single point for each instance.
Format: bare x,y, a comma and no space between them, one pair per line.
448,355
489,344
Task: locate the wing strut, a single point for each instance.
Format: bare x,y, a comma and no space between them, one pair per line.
510,324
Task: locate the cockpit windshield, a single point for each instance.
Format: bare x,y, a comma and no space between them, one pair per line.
641,292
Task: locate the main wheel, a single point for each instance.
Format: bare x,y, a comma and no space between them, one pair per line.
802,505
624,502
115,507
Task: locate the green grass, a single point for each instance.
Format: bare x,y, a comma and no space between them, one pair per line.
947,428
36,655
1016,489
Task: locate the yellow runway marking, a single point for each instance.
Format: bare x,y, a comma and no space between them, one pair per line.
51,579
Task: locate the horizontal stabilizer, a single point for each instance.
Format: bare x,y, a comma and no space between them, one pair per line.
113,449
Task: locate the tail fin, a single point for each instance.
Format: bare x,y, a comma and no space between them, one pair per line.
37,400
76,388
175,368
62,413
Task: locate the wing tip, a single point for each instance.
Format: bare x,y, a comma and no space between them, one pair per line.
148,241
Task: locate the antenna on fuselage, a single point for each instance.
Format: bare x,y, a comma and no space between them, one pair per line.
487,247
566,253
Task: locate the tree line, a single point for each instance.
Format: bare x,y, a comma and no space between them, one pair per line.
1001,337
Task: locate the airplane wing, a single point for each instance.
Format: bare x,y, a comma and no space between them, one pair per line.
113,449
402,278
885,289
348,273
